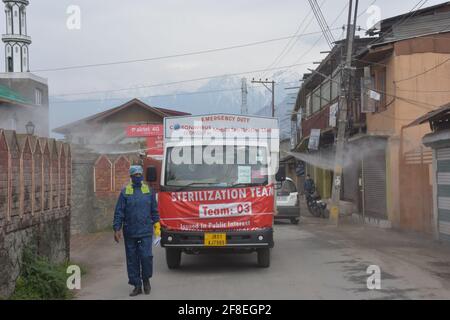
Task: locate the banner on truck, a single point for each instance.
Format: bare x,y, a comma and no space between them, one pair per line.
222,209
220,124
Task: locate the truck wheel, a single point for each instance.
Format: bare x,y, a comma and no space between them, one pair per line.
264,258
173,258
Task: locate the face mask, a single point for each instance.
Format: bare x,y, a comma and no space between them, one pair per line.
137,180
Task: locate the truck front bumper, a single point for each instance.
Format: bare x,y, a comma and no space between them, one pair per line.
253,240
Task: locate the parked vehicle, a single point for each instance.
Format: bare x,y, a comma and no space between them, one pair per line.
228,206
288,202
316,206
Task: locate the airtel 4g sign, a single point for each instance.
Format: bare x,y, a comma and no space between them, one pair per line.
146,130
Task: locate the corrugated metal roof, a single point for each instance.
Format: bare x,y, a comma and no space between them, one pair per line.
417,27
430,116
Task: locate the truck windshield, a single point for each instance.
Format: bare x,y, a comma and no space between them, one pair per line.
230,166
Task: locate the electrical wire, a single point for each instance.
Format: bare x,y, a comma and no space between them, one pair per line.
174,82
201,52
424,72
288,47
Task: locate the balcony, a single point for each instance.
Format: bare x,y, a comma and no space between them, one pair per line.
320,120
16,38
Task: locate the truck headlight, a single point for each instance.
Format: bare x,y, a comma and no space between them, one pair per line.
169,238
260,238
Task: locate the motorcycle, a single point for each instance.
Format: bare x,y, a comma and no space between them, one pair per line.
316,206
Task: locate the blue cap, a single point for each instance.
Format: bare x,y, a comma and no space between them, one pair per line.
136,170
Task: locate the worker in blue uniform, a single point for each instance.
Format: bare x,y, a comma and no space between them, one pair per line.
136,216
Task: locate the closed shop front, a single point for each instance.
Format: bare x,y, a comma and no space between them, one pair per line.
374,179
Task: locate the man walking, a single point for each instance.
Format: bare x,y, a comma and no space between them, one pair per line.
137,216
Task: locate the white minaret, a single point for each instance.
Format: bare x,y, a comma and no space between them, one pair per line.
16,39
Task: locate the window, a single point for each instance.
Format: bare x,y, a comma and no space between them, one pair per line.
380,87
316,103
38,97
308,106
335,85
325,93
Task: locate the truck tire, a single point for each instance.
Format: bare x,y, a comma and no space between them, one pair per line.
264,258
173,258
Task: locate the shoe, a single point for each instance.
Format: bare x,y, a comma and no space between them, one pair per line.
147,287
136,291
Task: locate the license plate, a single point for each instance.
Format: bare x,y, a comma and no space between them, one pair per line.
215,239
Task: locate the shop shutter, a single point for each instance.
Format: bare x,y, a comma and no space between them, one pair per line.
374,171
443,182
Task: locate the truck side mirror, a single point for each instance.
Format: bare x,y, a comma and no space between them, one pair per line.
281,174
152,174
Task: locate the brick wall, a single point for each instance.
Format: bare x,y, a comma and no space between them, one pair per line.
46,175
3,180
38,196
103,175
27,178
54,169
97,181
121,173
24,221
62,177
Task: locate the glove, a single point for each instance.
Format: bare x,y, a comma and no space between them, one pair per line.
157,230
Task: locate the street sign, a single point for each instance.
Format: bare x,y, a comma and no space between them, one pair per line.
314,140
333,115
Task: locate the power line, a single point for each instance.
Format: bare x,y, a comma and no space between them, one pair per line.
149,96
290,43
424,72
156,96
174,82
175,55
365,11
322,22
318,39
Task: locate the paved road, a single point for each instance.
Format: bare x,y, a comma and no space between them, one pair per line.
310,261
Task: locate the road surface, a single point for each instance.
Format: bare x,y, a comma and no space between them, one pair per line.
310,261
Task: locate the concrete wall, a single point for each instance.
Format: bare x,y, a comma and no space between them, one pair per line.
48,235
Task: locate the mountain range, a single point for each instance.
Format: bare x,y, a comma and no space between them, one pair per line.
219,95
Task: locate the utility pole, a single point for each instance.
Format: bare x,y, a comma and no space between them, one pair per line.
343,110
244,107
272,90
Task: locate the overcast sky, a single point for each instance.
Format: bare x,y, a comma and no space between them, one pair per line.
113,30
